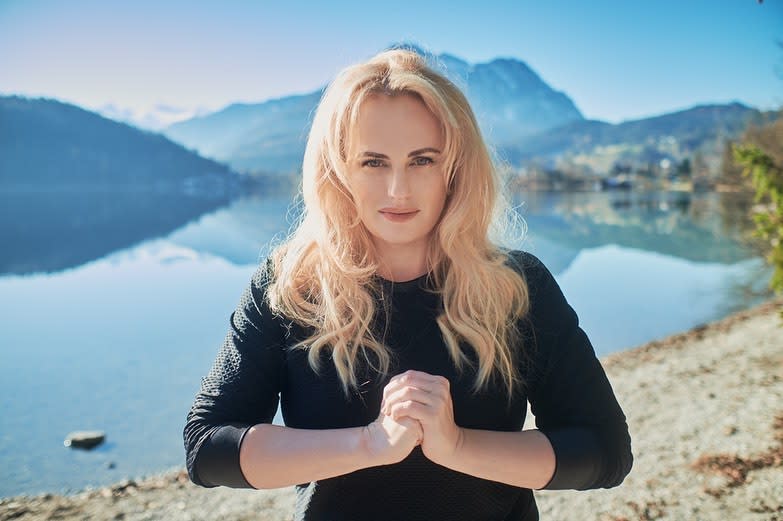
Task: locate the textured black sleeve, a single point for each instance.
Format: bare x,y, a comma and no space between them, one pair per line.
241,390
571,397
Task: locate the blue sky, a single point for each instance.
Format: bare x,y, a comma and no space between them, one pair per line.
616,59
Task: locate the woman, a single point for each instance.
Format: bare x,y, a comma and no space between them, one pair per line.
403,343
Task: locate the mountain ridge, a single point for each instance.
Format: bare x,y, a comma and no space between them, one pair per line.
271,135
53,143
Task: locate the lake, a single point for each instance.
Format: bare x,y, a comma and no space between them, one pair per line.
109,334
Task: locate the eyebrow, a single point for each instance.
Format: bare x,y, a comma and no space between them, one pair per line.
414,153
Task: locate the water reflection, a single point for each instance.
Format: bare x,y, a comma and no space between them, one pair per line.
244,231
53,231
56,230
696,227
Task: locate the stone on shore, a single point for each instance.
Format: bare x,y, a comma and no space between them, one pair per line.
84,439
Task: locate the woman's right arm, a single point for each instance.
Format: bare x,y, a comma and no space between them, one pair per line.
228,435
272,456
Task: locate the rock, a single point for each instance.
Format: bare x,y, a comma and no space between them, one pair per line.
84,439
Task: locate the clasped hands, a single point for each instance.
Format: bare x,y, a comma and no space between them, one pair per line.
416,410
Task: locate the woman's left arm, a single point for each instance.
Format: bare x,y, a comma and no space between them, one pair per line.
570,395
582,440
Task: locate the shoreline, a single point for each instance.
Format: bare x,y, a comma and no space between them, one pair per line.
705,410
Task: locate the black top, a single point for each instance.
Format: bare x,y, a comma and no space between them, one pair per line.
569,393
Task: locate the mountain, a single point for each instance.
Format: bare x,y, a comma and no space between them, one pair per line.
524,119
75,186
510,100
46,144
675,136
267,136
154,118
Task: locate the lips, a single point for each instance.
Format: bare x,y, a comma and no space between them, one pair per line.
398,211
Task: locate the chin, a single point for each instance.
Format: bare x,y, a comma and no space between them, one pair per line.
400,240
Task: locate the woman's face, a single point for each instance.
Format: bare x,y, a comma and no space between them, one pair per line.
396,173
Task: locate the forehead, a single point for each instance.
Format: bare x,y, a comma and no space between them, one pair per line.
400,123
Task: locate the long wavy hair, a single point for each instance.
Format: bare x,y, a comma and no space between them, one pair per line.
323,274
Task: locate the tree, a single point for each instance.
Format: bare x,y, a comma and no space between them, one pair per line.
761,156
730,171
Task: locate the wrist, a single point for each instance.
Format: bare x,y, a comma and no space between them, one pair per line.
369,453
450,458
459,445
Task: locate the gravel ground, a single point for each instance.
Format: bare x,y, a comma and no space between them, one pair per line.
705,409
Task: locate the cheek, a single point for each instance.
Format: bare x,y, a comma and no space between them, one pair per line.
437,191
365,199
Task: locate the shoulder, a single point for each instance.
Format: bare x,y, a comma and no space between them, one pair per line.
548,305
256,294
530,267
263,277
522,260
263,274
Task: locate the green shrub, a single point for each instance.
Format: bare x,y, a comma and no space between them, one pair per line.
766,176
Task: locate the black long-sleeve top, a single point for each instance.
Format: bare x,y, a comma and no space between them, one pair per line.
570,396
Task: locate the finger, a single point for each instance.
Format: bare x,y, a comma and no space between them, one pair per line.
403,381
431,383
413,425
411,409
399,381
438,389
412,377
388,391
419,394
409,394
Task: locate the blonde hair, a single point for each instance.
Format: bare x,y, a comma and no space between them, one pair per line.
324,272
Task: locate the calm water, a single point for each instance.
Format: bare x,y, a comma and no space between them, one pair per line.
119,343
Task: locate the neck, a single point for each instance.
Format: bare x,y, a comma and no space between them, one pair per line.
402,263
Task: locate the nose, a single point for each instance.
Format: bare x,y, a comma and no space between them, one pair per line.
399,184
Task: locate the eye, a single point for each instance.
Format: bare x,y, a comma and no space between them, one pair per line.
373,163
423,161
